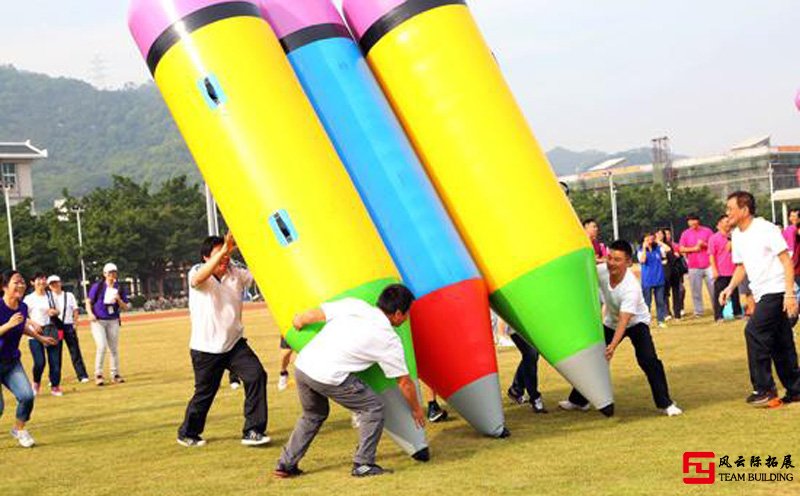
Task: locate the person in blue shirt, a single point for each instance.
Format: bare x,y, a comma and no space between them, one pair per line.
14,323
650,259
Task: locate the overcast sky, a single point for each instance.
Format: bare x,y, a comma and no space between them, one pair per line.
608,74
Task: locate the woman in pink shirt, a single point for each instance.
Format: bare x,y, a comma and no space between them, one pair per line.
722,266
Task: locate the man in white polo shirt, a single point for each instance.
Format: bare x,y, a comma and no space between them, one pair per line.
760,252
627,316
355,337
217,344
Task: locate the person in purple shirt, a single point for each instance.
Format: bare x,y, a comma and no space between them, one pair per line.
694,246
722,267
103,304
790,231
13,324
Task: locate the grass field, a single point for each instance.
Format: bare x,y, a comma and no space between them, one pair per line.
120,440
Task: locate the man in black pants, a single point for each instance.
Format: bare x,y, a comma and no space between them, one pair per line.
217,345
627,315
760,251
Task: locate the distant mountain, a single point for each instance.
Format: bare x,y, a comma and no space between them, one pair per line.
565,162
92,134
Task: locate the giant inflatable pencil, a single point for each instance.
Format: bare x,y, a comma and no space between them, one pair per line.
450,318
277,179
459,113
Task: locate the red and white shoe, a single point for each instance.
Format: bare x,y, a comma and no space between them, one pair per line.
56,391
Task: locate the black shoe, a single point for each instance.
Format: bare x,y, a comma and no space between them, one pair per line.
763,399
791,398
253,438
436,413
516,396
538,405
191,442
368,470
282,472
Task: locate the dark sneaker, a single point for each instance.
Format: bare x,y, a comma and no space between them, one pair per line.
764,399
790,398
282,472
367,470
253,438
516,396
436,413
191,442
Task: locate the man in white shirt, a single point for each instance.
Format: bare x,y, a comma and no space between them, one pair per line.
760,252
217,344
355,337
627,315
64,302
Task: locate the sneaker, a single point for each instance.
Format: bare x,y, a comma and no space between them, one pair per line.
764,399
191,442
23,437
667,318
436,413
253,438
662,325
516,396
282,472
98,380
538,405
368,470
570,406
235,385
505,342
673,411
283,381
36,388
118,379
790,398
56,391
83,380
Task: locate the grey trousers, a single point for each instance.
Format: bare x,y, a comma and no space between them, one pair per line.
696,277
351,394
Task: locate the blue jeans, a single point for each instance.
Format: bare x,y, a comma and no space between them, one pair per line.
661,304
13,377
38,350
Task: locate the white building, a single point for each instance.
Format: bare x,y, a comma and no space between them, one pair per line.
16,162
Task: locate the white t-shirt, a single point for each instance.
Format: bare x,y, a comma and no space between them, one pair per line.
625,297
356,336
757,249
71,304
215,307
38,306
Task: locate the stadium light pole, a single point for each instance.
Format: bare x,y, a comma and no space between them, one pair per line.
10,228
771,173
84,282
613,192
211,213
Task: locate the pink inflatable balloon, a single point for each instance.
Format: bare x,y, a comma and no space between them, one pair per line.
797,100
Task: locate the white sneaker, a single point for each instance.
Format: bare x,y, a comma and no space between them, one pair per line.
505,342
235,385
662,325
283,382
672,411
570,406
84,380
23,437
667,318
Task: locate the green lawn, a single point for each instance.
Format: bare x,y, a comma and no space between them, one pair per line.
120,440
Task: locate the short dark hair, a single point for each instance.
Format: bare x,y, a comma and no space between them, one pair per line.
719,219
588,221
395,297
5,279
744,199
623,246
38,275
794,210
692,216
209,244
